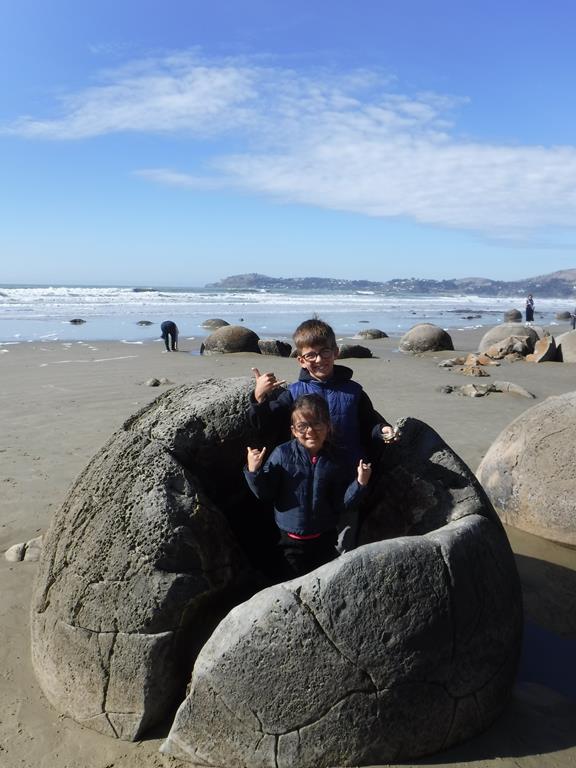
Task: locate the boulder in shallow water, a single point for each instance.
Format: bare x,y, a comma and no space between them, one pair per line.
529,471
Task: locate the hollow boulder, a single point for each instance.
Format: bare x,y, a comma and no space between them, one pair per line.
389,652
426,337
230,338
529,471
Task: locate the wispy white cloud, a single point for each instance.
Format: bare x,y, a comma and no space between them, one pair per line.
349,142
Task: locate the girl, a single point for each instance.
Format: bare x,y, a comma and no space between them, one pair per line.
307,482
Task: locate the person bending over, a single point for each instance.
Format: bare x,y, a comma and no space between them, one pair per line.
170,335
307,482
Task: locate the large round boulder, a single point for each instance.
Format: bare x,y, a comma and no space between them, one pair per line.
529,472
425,337
512,316
274,347
389,652
230,338
353,350
566,347
503,331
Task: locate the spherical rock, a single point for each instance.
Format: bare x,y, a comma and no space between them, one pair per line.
77,321
214,323
563,315
371,333
230,338
529,472
500,332
353,350
513,316
425,337
145,322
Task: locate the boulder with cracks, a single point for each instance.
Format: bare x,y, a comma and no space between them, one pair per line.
398,649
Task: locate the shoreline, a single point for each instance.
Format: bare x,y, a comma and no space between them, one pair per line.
61,402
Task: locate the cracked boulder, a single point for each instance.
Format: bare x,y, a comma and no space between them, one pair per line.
529,471
500,332
400,648
140,562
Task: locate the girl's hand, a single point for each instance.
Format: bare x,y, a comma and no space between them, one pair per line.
255,458
364,472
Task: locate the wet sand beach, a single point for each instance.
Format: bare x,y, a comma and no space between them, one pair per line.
59,403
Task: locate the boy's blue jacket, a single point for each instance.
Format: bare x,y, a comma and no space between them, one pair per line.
354,420
308,498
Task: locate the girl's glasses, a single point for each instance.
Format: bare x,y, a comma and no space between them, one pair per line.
303,426
324,353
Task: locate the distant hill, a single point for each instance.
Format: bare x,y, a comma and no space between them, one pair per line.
555,285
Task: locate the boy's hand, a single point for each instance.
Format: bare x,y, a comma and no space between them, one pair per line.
364,472
265,383
389,434
255,458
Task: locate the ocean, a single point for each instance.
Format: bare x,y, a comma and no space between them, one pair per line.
43,313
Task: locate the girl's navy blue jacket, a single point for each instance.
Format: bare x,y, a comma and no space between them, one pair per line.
308,498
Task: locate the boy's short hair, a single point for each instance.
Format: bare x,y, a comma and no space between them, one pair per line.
314,404
314,333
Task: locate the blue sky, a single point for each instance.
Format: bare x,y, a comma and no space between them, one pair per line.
181,141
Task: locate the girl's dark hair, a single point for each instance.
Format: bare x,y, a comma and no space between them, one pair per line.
315,405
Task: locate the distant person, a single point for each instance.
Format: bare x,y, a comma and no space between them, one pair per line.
529,309
170,335
307,482
573,319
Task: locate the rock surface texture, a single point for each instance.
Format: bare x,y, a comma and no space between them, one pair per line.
425,337
397,649
529,472
134,558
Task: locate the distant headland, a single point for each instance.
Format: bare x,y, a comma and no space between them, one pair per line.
554,285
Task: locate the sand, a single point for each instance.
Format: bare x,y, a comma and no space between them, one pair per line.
60,403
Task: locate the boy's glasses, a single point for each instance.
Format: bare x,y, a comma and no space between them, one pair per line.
324,354
303,426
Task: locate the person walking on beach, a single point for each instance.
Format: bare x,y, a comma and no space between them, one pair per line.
529,309
306,480
573,319
354,419
170,335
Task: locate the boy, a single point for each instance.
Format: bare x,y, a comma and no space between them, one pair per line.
305,481
353,417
